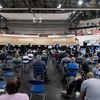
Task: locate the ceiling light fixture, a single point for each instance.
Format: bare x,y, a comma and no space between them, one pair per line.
80,2
40,20
34,20
59,6
73,12
37,20
1,7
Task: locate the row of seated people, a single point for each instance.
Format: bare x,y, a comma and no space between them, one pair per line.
18,60
10,85
81,73
39,66
86,87
89,57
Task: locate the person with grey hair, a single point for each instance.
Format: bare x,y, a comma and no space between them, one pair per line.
38,63
90,88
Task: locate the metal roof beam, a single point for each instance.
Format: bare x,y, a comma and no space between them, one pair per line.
4,3
50,9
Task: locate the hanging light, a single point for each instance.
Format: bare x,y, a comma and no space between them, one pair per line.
40,20
59,6
73,12
1,7
34,20
37,20
80,2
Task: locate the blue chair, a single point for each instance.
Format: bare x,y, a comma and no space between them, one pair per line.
17,62
38,88
8,72
38,72
72,69
79,61
2,85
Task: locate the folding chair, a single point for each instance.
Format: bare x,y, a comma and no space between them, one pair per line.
2,86
8,61
79,61
38,72
8,72
17,66
38,88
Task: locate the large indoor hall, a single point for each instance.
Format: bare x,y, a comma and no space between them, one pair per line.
49,49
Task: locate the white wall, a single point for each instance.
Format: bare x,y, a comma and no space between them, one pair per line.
37,28
84,23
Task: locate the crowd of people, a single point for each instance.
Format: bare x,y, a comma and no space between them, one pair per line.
84,78
81,72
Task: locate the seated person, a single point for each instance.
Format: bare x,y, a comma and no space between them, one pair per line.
1,64
12,88
98,54
75,85
30,55
90,88
88,58
65,60
38,64
85,66
79,58
2,56
17,60
44,57
96,71
25,60
70,70
95,58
